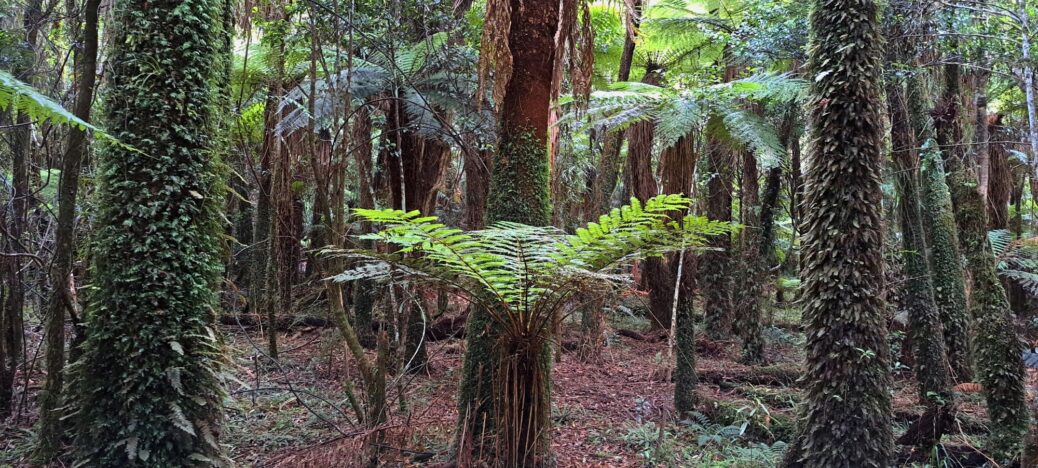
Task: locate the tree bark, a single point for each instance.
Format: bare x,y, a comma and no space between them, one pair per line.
505,387
149,372
60,301
998,348
925,329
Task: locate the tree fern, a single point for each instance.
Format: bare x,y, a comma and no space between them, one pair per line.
426,75
529,272
675,113
1017,261
18,96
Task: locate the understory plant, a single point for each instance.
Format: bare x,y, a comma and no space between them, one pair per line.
527,278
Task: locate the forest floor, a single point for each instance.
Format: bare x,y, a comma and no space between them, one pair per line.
617,411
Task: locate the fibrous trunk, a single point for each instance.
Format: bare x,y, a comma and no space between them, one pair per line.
997,346
715,276
925,329
942,240
519,192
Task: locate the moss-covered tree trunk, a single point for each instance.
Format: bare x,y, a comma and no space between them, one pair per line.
51,427
147,387
505,386
925,330
847,414
999,368
942,240
757,255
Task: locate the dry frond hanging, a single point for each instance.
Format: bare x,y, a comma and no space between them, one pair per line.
581,49
495,61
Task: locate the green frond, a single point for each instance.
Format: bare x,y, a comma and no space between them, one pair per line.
1017,261
524,267
752,131
676,113
999,240
19,96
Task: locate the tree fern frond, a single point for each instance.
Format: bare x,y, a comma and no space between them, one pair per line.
752,131
677,113
20,97
999,240
524,268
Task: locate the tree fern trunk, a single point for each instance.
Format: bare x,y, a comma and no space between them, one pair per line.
519,192
925,329
715,272
942,240
997,348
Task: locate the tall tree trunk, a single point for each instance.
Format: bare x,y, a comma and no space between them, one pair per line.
157,260
365,292
715,275
847,419
926,332
1028,84
925,329
715,267
942,240
748,313
678,168
51,429
281,238
1000,181
264,283
418,165
477,186
1000,369
12,331
656,277
505,385
757,255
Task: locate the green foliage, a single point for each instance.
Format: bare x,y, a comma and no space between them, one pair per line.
20,97
675,113
428,76
698,441
1016,260
147,387
522,268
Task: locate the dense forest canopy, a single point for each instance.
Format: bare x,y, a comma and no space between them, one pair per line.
507,233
